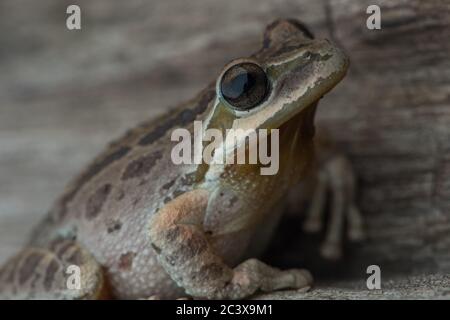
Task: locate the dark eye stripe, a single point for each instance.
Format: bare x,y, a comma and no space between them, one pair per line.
244,85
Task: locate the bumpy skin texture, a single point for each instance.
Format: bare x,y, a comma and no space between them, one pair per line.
138,226
37,273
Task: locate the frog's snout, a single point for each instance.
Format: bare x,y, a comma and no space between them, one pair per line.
333,59
341,59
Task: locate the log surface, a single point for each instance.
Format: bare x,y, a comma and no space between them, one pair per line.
65,94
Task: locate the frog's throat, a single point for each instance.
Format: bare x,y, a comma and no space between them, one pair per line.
295,147
297,144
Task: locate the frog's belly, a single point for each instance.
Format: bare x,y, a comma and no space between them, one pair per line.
145,278
248,243
131,266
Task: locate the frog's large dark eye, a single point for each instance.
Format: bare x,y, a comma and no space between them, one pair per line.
244,85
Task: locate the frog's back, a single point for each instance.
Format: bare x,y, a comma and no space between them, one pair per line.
108,206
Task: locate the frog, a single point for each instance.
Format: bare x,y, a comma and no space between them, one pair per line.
134,225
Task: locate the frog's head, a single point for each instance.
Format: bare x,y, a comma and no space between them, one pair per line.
291,72
277,88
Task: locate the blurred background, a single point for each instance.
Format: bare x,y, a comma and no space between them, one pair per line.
65,94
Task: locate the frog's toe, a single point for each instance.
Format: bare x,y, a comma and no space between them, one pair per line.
331,250
158,297
292,279
355,231
153,297
303,278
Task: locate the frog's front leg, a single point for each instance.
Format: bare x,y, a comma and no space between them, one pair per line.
185,252
335,176
38,273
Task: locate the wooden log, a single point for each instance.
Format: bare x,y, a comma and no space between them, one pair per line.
66,93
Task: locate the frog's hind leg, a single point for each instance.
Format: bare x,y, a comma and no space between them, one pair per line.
332,246
62,271
314,217
336,178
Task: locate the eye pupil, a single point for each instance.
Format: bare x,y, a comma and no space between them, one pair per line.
244,85
238,86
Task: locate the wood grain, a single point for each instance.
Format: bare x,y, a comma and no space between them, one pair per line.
64,94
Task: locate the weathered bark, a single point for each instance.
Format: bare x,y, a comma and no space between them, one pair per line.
66,93
392,115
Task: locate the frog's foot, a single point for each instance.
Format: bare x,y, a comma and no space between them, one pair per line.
337,177
63,271
158,297
185,252
261,277
153,297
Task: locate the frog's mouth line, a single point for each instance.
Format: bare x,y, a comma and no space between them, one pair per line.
309,100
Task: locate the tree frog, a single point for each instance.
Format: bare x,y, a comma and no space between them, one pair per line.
135,225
